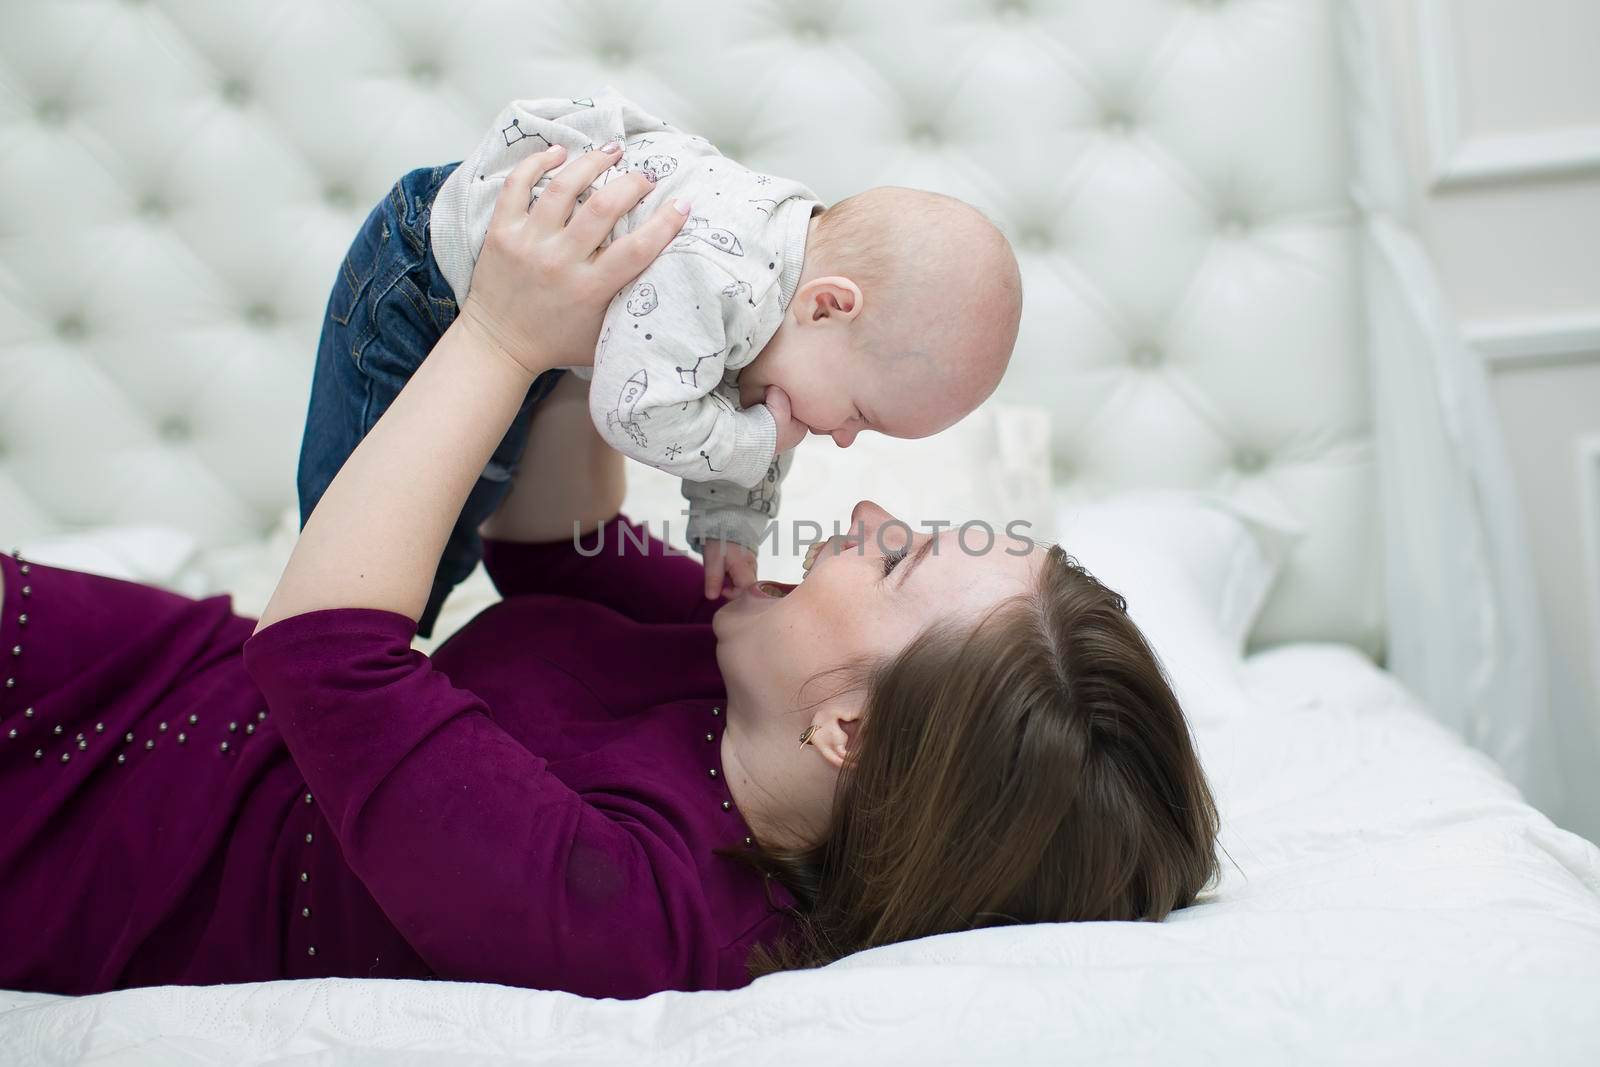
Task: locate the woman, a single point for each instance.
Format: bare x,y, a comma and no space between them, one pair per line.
589,787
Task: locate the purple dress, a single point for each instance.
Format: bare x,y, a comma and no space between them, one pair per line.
536,805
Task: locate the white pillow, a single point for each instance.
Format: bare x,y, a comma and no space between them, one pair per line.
1194,570
155,555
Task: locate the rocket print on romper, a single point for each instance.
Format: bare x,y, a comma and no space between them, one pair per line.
699,228
627,414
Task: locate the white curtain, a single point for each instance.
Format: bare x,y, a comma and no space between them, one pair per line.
1464,630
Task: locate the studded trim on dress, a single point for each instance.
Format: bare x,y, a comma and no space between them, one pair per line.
711,772
82,741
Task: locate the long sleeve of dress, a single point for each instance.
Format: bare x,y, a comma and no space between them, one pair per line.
619,565
491,867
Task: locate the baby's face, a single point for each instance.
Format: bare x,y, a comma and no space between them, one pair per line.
911,392
917,372
830,407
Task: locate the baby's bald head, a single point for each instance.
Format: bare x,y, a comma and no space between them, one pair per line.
941,293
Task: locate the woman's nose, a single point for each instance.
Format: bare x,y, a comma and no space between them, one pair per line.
867,516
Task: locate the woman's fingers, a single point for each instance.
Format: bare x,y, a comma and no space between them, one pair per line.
512,203
561,192
595,218
622,260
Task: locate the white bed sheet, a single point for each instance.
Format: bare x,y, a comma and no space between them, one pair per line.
1394,900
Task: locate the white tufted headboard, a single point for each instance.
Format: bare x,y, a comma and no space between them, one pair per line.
182,177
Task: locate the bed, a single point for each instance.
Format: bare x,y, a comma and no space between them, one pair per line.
1394,901
1235,397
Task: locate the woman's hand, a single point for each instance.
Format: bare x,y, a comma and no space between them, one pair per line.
542,282
538,293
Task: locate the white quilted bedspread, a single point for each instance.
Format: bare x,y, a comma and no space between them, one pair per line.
1390,898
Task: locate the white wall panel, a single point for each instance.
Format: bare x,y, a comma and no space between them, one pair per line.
1502,110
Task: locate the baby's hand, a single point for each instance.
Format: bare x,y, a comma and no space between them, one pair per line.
790,431
727,558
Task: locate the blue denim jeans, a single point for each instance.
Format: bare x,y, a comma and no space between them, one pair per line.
389,306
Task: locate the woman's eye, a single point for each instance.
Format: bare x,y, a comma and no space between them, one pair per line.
891,560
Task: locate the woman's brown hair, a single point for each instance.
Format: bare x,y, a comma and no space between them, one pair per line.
1033,768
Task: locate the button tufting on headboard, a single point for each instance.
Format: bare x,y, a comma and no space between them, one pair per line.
1145,356
175,428
1118,123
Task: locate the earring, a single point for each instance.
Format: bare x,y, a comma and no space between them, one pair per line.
805,738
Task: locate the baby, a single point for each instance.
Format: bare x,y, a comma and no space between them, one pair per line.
768,317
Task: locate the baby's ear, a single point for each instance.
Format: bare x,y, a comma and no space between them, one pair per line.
834,296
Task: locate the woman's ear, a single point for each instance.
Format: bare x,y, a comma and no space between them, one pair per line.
834,297
836,735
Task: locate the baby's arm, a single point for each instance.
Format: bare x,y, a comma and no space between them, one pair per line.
657,392
723,515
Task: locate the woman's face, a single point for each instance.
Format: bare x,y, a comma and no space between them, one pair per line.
868,593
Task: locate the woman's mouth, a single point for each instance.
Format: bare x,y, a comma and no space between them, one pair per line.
778,590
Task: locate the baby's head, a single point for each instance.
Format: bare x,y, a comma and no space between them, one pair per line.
902,322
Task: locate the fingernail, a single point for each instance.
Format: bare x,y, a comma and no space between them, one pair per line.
681,206
610,146
557,149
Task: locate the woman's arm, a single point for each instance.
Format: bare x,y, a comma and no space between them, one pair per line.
491,866
568,480
559,532
539,289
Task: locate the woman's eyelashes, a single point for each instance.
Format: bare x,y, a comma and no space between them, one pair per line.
891,560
